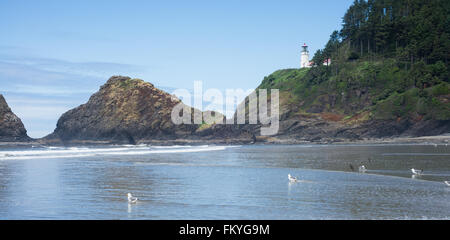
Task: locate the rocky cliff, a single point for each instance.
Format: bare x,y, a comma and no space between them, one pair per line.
324,113
11,127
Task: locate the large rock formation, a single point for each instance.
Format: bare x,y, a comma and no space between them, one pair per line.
11,127
127,110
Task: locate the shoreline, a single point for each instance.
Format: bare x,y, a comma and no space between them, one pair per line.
440,139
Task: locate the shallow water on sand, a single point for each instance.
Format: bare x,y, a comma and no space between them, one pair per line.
225,182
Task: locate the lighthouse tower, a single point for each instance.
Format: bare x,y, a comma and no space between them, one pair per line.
304,61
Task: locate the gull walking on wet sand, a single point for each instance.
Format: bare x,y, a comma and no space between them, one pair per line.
416,171
362,169
292,179
132,199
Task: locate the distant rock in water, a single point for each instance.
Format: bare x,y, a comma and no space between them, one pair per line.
126,110
11,127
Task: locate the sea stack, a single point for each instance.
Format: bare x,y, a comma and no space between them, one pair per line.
124,110
11,127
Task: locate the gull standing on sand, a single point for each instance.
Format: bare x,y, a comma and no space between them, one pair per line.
447,183
131,199
416,171
362,169
292,179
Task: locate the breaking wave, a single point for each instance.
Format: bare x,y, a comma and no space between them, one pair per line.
77,152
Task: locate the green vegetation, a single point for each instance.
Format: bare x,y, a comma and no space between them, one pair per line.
283,79
129,83
390,58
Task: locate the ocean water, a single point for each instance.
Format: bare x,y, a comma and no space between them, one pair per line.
225,182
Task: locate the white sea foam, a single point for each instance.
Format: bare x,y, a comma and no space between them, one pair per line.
75,152
184,150
46,157
62,151
173,146
54,147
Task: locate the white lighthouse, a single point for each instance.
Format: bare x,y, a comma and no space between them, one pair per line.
304,61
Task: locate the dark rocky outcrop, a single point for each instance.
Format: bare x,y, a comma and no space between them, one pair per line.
11,127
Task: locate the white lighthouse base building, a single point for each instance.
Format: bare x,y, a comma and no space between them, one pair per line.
304,60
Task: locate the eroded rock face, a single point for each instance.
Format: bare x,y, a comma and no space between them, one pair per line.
11,127
123,110
318,125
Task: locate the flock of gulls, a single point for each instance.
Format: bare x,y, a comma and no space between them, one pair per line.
292,179
363,169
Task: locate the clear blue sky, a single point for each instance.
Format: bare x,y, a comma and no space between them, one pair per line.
55,54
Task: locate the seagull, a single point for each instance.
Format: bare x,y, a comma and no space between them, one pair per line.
351,167
447,183
131,199
292,179
416,171
362,169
